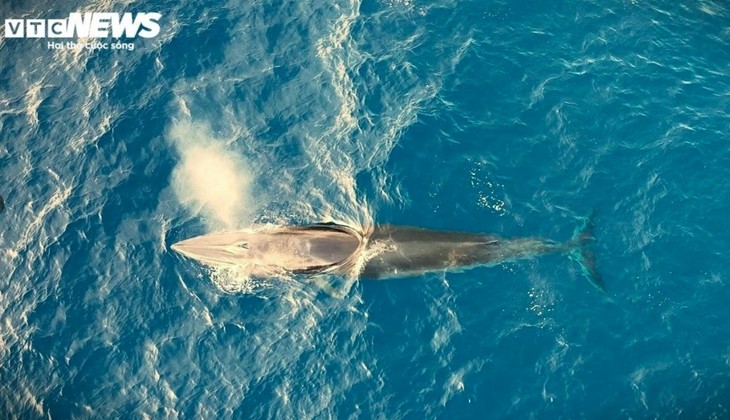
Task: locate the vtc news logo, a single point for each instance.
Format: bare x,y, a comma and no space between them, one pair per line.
86,25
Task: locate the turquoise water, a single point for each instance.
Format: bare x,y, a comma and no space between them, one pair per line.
516,119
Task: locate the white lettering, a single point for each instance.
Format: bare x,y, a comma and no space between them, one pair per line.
35,28
14,28
123,46
100,24
57,28
125,26
78,25
151,27
86,25
97,46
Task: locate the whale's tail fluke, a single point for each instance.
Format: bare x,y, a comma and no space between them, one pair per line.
582,252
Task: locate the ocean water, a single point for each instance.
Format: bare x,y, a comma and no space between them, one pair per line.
513,118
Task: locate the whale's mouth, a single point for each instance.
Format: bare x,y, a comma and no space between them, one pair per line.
299,249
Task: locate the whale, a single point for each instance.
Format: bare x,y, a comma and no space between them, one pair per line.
377,253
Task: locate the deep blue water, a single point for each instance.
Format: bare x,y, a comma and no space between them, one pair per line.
513,118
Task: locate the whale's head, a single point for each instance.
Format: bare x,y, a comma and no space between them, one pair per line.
230,247
271,249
